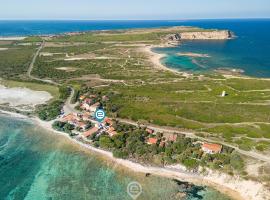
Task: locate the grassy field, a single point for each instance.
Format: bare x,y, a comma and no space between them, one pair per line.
15,61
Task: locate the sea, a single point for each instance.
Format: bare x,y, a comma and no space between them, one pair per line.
36,164
39,165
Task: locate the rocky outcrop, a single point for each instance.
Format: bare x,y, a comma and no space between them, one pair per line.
172,39
206,35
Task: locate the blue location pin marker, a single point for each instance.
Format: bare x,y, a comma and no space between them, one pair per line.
100,115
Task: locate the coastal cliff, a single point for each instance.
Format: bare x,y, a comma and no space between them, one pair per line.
199,35
207,35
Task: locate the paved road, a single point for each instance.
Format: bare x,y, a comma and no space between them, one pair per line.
69,107
31,66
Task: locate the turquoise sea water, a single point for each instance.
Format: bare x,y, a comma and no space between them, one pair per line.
249,51
37,165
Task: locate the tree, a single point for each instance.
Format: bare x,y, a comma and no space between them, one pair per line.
106,142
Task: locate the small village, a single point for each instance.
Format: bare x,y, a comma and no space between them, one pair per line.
84,125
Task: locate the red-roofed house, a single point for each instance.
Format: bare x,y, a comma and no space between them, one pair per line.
90,132
70,118
108,121
152,141
211,148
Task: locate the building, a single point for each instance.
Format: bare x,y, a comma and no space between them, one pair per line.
88,101
105,98
172,138
223,94
80,125
211,148
150,131
90,132
70,118
86,116
82,97
94,107
111,131
152,141
108,121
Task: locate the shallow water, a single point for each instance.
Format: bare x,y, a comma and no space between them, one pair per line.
249,51
35,164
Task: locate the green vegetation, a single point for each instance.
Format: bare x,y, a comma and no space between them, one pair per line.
130,142
116,64
50,111
15,61
63,127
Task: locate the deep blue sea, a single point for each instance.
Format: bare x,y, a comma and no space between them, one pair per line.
249,51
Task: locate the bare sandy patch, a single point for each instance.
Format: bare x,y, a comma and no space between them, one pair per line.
89,56
3,49
195,55
23,96
67,69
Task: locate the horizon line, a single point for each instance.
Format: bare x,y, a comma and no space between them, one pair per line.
70,19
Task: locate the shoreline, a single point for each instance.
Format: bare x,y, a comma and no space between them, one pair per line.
155,58
218,181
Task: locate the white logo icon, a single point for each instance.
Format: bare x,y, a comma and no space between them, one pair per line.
134,190
100,115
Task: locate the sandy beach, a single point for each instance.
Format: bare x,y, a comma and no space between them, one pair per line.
234,187
155,58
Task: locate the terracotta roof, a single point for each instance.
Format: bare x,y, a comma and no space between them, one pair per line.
69,117
90,132
152,141
212,147
108,121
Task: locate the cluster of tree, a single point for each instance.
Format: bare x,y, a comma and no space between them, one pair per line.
63,127
130,142
64,92
50,111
